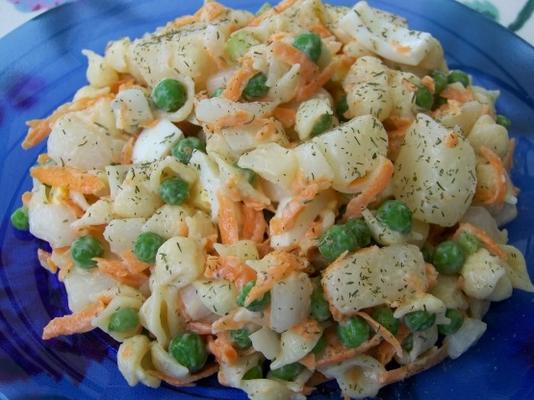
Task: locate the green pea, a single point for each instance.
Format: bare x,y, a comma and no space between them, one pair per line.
448,258
20,220
320,345
457,320
395,215
189,350
469,243
503,120
353,332
419,320
323,124
84,249
123,320
174,191
423,97
217,92
288,372
253,373
428,253
240,337
340,238
310,44
256,87
256,305
146,246
320,309
239,43
458,76
264,7
384,316
183,149
169,95
407,344
440,81
341,108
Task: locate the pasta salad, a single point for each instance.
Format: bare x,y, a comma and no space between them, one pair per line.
282,198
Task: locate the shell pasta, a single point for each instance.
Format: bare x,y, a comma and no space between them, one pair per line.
282,198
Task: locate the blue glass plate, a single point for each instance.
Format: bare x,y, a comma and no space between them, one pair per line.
41,67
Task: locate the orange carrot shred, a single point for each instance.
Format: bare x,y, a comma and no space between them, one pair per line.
188,380
70,178
78,322
229,219
230,268
117,270
481,235
433,357
382,331
222,349
499,193
285,115
254,224
373,189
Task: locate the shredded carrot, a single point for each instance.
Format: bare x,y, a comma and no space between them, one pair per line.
41,128
509,157
499,193
78,322
200,327
238,81
268,130
378,182
132,263
183,21
335,352
285,115
460,95
227,323
481,235
382,331
254,224
321,30
309,361
397,128
210,11
230,268
432,357
126,81
384,352
286,263
306,191
127,151
117,270
188,380
312,86
239,118
222,349
452,140
229,219
44,258
291,55
26,197
429,83
282,6
76,210
70,178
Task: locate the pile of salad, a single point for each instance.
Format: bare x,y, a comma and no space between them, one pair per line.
282,198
